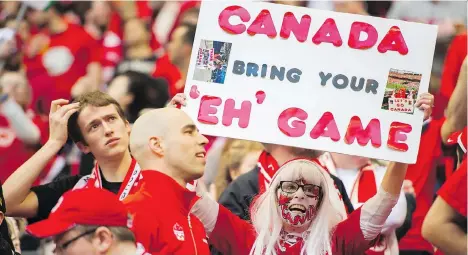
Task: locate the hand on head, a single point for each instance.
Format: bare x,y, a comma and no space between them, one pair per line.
60,112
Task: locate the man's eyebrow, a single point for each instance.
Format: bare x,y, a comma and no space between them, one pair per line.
189,127
92,123
97,120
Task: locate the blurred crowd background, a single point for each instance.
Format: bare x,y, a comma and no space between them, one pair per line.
139,53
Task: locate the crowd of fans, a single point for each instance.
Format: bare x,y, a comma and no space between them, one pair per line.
125,58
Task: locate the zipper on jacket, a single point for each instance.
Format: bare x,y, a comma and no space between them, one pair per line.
191,233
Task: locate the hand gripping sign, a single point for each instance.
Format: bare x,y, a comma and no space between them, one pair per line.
309,78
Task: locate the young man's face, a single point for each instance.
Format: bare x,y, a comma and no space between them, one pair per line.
105,132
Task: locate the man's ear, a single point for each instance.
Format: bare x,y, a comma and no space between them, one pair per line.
2,217
128,126
103,240
83,148
156,146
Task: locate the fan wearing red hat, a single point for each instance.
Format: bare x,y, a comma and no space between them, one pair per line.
88,221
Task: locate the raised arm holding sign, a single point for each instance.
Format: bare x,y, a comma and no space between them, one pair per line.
312,79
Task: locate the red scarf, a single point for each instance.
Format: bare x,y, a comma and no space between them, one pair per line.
129,184
365,186
268,167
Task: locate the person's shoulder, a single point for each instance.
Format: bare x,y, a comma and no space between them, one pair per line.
244,185
250,178
67,182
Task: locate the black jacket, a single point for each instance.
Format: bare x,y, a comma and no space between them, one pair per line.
239,194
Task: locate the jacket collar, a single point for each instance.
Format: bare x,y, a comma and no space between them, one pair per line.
158,184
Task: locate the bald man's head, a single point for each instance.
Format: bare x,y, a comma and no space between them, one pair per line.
153,123
169,137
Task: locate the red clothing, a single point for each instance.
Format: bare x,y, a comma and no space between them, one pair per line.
13,152
423,176
161,218
454,190
231,235
65,60
456,53
111,54
165,69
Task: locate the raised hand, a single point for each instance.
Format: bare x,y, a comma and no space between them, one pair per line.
178,100
425,103
60,112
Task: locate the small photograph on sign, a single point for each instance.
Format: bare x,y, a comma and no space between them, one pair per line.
212,61
401,91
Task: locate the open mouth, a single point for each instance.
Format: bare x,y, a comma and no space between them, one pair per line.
112,140
297,208
200,155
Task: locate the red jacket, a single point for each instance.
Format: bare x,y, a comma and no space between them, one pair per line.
456,53
423,176
231,235
161,219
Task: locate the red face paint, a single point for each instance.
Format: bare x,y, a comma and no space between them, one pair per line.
283,199
298,219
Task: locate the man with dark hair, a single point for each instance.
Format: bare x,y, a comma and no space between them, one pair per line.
97,124
179,51
88,221
136,91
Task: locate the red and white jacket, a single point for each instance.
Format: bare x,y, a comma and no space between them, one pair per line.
162,221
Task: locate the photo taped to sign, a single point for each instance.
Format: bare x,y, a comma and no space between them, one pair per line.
212,61
401,91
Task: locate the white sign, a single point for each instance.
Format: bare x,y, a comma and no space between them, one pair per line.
309,78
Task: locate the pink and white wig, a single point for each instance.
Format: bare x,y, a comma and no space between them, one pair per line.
266,216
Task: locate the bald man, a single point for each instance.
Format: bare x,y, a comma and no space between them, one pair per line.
170,150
